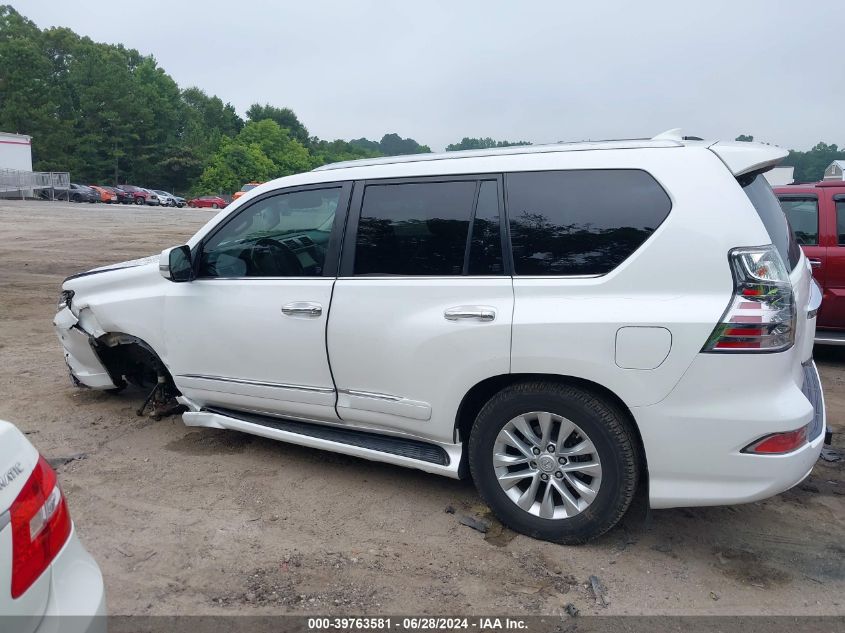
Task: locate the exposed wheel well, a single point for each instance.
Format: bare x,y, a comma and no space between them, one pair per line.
478,396
128,358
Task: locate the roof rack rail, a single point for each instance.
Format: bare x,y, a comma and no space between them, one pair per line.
637,143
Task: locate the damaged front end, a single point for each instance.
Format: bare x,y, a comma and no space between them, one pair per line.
111,360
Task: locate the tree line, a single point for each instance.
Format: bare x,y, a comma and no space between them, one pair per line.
109,114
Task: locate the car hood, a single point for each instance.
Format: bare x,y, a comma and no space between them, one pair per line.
143,261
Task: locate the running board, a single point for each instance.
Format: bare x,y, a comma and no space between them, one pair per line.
827,337
440,459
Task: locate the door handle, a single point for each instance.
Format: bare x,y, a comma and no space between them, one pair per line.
470,313
815,263
307,309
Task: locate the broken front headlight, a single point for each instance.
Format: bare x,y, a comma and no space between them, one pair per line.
64,299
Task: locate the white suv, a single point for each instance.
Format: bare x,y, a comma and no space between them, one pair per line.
565,323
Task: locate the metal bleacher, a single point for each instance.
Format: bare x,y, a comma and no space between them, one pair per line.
51,184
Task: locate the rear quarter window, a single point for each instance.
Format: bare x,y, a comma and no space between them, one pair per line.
581,222
774,219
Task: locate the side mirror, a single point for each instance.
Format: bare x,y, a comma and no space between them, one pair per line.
175,264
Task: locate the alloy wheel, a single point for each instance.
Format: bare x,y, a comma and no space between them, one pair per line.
547,465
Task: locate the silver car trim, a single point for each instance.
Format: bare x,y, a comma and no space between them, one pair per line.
370,394
5,519
255,383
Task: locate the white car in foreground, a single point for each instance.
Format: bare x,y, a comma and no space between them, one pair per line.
567,323
48,582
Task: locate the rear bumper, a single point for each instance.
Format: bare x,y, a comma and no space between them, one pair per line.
693,438
77,601
83,363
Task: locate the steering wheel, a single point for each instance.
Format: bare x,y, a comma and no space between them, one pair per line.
271,256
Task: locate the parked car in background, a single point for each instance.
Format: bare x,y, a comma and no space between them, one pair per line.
46,575
82,193
140,195
123,197
816,212
247,187
106,195
580,338
168,199
215,202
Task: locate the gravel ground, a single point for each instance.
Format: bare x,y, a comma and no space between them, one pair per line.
199,521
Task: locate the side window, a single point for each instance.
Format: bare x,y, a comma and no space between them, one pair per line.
581,222
803,216
840,222
286,235
485,254
414,228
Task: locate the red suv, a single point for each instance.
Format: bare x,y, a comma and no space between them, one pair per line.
816,212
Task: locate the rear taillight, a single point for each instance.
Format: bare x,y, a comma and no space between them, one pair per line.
779,443
761,315
40,527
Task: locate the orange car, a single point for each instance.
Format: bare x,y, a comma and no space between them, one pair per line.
105,195
245,188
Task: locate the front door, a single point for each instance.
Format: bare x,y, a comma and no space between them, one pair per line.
249,333
422,309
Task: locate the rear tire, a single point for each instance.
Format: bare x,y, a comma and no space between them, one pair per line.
139,201
603,461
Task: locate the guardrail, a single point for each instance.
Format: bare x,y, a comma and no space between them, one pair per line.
28,182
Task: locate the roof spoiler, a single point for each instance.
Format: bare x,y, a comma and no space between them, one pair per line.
739,156
745,158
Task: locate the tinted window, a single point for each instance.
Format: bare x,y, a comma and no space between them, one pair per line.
840,222
583,222
760,193
286,235
414,228
485,255
803,217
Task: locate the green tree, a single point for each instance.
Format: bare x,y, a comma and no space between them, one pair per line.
747,138
234,164
285,117
288,155
482,143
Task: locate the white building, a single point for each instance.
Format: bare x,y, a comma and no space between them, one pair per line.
780,176
835,170
15,151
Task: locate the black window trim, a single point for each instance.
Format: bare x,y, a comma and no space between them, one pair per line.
330,266
583,276
347,256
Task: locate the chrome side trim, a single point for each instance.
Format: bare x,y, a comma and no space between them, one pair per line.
815,301
825,338
370,394
254,383
5,519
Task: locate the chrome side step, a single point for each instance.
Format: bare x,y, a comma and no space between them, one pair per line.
440,459
825,337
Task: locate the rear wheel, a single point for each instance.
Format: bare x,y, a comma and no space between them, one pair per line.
554,461
139,200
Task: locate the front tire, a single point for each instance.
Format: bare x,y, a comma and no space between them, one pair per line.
139,201
554,461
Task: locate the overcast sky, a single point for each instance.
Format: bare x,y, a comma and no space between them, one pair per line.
538,71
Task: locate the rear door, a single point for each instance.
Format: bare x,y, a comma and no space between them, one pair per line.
832,312
17,459
810,228
422,310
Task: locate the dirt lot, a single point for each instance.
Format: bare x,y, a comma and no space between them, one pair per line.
197,521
